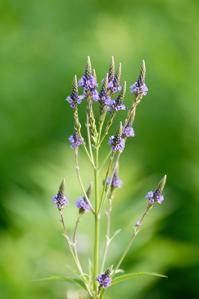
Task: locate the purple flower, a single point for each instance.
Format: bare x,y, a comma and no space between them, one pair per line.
75,140
116,181
117,143
139,88
106,100
128,131
104,280
94,94
88,82
155,196
114,86
83,205
118,105
74,100
60,200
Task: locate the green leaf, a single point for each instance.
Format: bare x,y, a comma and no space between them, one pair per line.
129,276
75,280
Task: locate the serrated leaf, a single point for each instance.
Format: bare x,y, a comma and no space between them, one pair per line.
77,281
129,276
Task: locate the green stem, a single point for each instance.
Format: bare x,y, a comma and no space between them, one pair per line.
75,229
109,124
136,231
105,179
101,294
73,250
63,222
89,138
107,188
86,151
101,123
97,225
105,160
80,179
108,230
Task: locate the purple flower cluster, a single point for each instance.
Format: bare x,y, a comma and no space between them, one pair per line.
75,140
104,280
139,88
74,100
89,83
118,105
114,85
83,205
154,197
104,98
117,142
128,131
116,181
60,200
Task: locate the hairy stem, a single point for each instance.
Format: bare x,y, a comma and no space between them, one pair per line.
78,128
136,231
101,294
105,160
96,253
109,124
63,222
97,225
75,229
132,111
80,179
73,251
106,188
101,123
108,230
89,138
105,180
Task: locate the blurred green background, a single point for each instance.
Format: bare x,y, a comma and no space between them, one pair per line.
42,45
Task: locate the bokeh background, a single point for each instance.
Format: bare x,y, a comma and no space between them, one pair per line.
42,45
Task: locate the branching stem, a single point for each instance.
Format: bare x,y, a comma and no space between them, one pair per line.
80,179
136,231
108,230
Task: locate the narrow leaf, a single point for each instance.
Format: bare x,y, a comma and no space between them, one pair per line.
129,276
74,280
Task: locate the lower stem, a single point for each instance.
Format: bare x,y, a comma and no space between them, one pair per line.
137,229
108,231
97,227
73,250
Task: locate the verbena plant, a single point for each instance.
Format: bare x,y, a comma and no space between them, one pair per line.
110,101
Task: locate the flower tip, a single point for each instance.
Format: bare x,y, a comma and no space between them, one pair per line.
75,81
88,59
142,72
89,190
119,72
124,89
143,64
75,86
61,186
94,74
88,68
112,62
162,183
